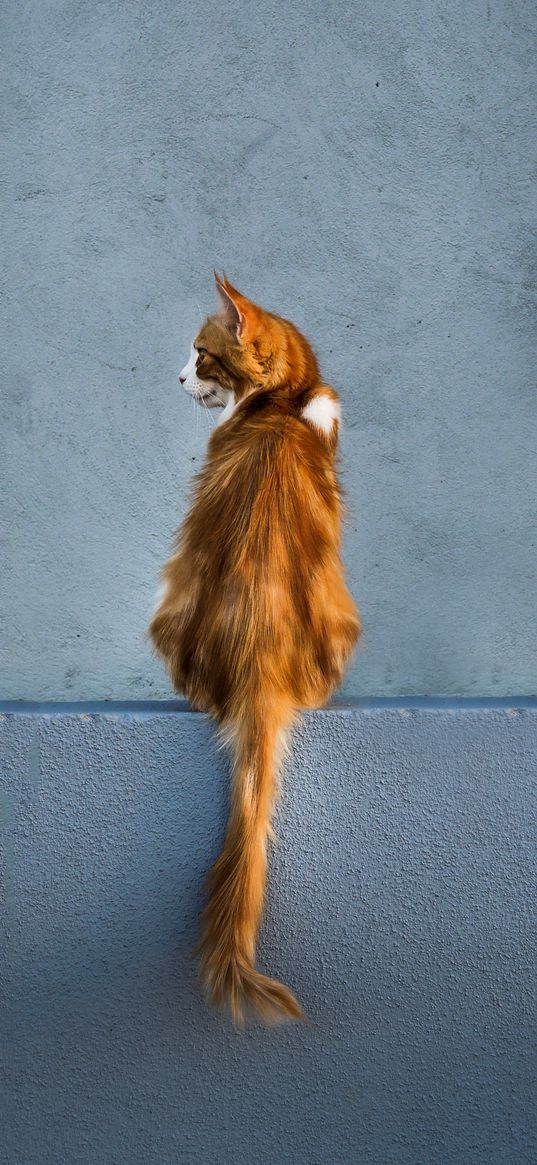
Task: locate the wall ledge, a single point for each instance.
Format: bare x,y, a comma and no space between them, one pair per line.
342,705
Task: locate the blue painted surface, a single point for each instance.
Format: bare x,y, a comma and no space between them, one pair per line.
367,169
401,908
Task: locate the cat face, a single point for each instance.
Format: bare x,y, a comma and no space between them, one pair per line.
199,378
242,349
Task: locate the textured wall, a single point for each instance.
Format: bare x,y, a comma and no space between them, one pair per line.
401,908
367,169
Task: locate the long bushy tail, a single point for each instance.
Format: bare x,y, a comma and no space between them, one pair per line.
236,882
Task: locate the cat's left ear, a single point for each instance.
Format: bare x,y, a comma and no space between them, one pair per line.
239,312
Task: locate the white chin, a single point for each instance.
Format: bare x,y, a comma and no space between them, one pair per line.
209,401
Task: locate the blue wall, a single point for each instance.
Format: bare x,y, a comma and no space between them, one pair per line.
401,908
366,168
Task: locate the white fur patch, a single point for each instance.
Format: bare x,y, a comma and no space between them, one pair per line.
228,409
160,596
322,411
190,366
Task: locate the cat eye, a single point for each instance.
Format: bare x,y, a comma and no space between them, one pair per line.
201,351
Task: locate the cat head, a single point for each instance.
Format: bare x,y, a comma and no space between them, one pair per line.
243,349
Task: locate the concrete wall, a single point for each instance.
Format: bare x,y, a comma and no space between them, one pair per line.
367,169
401,908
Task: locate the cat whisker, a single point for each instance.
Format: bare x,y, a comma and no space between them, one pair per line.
196,416
208,413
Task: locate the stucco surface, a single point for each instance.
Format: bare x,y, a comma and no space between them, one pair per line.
367,169
401,908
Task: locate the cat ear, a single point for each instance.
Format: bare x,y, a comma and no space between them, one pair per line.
239,312
226,307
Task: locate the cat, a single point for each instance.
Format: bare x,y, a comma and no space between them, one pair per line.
255,621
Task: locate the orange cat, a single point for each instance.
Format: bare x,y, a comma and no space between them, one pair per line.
255,621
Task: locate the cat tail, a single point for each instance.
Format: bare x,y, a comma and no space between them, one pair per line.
236,883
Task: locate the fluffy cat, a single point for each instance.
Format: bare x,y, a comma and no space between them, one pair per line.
255,622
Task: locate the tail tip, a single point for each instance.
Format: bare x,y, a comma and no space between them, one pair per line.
243,991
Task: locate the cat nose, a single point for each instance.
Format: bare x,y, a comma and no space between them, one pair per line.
182,379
